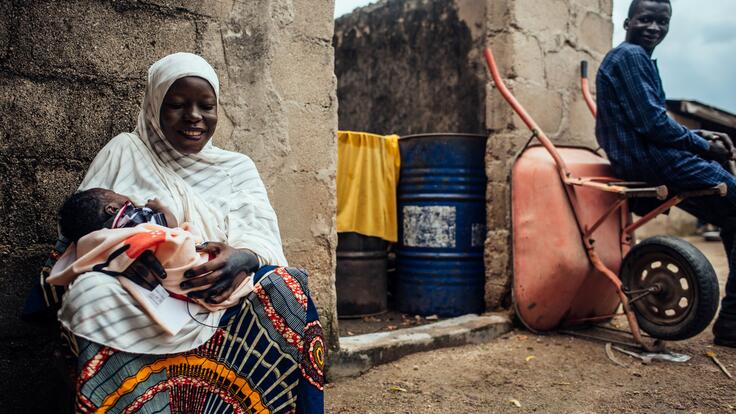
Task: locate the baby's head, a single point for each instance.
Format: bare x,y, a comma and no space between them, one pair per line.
89,210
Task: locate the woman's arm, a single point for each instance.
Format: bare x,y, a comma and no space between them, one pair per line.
253,239
251,221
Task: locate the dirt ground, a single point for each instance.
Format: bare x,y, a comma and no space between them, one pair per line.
521,372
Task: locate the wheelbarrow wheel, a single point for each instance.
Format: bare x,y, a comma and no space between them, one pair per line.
671,286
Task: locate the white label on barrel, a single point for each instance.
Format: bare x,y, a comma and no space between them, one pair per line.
429,226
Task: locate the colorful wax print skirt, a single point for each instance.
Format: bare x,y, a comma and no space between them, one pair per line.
266,357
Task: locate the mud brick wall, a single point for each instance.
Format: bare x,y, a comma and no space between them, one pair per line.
410,66
416,66
72,76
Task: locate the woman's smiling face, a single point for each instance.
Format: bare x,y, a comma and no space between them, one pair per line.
189,114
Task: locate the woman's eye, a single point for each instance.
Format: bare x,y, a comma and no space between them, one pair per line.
174,105
208,107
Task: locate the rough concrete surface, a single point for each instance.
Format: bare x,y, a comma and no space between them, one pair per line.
360,353
72,76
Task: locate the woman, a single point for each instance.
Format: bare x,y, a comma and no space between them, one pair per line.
264,355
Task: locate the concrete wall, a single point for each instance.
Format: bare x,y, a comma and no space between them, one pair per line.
538,46
416,66
411,66
72,75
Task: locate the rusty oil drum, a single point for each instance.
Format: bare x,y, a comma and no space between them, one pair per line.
442,224
360,279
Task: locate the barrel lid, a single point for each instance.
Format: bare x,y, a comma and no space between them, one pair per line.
443,134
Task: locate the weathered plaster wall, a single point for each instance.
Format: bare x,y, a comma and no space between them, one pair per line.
410,66
538,46
72,76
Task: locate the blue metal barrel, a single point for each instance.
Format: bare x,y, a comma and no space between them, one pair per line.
442,224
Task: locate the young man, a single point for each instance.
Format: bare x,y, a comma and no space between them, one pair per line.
644,144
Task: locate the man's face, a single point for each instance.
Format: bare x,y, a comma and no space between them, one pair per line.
649,24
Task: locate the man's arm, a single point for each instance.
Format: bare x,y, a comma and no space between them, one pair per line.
644,109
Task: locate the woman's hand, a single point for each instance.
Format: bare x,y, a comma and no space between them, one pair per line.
146,271
225,272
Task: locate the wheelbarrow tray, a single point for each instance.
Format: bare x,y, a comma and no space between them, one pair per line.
554,282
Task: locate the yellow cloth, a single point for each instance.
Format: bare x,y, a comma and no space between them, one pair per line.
367,174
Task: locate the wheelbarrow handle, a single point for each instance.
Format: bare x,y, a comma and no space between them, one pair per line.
659,192
586,89
719,190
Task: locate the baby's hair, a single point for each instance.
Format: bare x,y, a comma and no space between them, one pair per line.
83,213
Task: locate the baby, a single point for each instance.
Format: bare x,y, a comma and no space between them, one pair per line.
97,208
110,233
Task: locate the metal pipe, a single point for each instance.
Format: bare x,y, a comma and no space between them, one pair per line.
604,217
652,214
574,322
613,278
586,89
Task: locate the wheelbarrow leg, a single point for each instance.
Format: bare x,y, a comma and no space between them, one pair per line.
656,345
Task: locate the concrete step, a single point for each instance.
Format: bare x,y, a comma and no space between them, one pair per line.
359,353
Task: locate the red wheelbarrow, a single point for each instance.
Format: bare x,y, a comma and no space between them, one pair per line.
574,258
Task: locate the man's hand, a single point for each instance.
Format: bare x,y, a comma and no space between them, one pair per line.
724,139
717,151
224,273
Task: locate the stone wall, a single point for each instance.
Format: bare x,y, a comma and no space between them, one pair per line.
416,66
72,76
538,47
410,66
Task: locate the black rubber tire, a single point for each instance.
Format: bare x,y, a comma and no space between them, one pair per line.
691,265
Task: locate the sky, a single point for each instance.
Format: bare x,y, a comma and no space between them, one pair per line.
697,60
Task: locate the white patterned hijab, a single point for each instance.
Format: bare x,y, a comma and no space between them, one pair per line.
161,75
